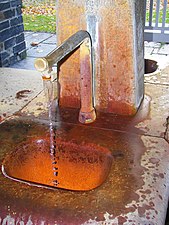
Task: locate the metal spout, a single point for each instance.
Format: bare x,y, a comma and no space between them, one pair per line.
82,38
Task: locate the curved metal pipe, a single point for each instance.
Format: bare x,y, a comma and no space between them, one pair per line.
82,38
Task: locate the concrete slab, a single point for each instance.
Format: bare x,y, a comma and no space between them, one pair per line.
51,40
27,63
152,44
149,50
36,37
158,77
26,33
40,50
157,110
164,49
18,88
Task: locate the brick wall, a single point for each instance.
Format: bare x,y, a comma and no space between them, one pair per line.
12,41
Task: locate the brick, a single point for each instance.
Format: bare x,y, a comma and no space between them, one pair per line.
10,42
9,13
164,49
22,55
15,21
4,55
20,47
5,5
19,29
13,59
5,34
1,46
11,32
2,17
20,38
5,62
4,1
16,3
4,25
18,11
15,30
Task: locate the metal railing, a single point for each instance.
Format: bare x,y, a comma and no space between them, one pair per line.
157,20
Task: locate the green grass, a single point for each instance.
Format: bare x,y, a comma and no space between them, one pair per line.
41,23
47,23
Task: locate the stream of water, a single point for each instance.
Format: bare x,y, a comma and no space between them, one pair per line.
50,88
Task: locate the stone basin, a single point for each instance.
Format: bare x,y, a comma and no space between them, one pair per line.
74,164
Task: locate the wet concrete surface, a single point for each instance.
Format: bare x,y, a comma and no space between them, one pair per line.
134,186
18,88
136,190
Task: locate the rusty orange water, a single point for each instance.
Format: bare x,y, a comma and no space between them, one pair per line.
73,166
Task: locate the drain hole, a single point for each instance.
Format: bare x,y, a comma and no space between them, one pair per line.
150,66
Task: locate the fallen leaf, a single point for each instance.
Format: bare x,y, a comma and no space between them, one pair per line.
33,44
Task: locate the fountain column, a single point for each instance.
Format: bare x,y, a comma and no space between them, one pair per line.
116,28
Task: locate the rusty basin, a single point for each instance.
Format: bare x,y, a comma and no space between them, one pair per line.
75,163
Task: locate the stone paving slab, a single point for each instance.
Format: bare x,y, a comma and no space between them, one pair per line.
40,50
164,49
152,44
51,40
27,64
157,108
149,50
18,88
158,77
37,38
27,33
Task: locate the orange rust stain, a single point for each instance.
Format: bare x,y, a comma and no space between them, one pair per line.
116,49
86,80
115,70
122,108
69,75
22,94
76,167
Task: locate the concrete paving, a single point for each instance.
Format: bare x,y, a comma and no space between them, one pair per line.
140,191
158,52
18,88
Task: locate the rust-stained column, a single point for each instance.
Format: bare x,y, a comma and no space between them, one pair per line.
68,23
116,27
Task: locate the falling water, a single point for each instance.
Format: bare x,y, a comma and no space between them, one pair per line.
50,88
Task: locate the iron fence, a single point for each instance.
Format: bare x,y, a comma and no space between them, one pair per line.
157,20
